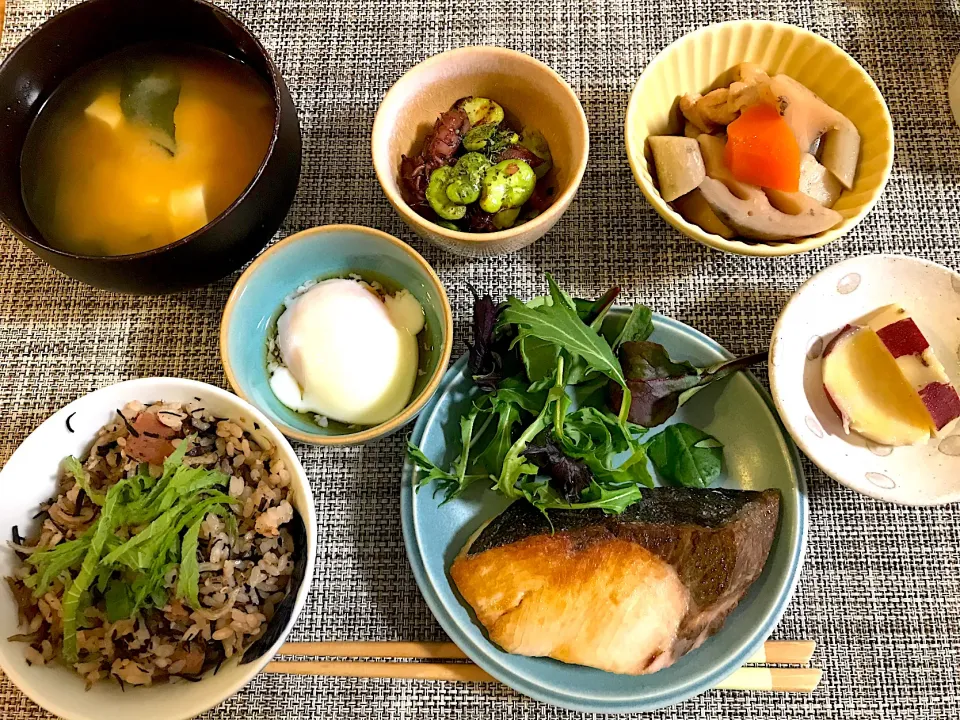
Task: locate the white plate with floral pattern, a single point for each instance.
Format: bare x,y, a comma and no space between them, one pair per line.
915,475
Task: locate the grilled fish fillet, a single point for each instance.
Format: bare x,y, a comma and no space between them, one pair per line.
629,593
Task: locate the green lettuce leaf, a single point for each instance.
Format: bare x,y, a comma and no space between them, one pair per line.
537,491
686,456
515,464
557,322
599,439
539,356
539,360
492,456
447,483
637,328
612,500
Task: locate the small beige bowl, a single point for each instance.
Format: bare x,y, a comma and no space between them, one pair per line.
530,92
700,61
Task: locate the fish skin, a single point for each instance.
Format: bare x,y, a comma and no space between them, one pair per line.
661,505
627,593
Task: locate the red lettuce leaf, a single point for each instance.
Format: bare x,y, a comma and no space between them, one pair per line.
485,362
569,477
658,385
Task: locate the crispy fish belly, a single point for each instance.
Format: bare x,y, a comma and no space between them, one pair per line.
627,593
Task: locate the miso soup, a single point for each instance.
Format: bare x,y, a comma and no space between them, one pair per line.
143,148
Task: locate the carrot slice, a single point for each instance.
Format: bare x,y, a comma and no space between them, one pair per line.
762,150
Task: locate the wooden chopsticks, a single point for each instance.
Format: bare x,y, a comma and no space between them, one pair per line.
392,650
749,677
784,652
456,672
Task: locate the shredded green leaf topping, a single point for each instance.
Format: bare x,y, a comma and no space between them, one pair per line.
146,527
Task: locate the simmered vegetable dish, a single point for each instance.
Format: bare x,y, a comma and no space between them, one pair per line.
763,159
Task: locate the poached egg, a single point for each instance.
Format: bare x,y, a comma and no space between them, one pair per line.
348,354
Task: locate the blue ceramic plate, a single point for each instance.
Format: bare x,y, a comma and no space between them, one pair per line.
758,455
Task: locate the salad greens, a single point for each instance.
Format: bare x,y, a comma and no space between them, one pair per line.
566,396
146,527
685,455
659,385
554,329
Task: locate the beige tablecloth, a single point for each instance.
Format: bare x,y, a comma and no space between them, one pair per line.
880,590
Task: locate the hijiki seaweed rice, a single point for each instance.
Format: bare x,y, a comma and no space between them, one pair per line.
164,553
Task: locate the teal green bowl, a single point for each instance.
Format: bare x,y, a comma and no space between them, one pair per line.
318,254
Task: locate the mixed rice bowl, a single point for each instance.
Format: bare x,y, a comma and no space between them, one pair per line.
165,551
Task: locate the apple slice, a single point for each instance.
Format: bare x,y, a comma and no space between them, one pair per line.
869,392
899,333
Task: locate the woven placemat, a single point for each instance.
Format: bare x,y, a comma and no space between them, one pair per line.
880,590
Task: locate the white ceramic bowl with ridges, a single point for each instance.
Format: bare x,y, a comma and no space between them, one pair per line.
843,293
702,60
30,476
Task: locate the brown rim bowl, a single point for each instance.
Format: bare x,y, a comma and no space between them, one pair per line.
531,94
93,29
